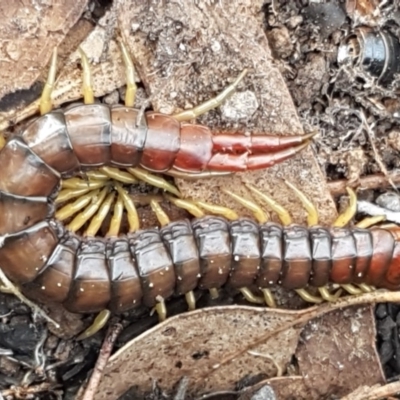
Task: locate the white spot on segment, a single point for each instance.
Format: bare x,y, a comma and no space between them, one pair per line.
360,274
271,282
151,284
198,276
82,289
220,271
167,268
236,258
59,284
43,288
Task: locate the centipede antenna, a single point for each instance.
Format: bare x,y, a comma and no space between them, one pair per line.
154,180
98,324
327,296
45,105
131,87
88,212
212,103
312,212
118,175
308,297
99,218
133,218
115,224
283,214
251,297
87,85
348,214
269,298
370,221
190,300
187,205
351,289
260,215
70,209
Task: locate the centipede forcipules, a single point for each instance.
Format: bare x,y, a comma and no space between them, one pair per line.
89,274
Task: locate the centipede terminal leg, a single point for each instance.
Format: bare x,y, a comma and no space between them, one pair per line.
212,103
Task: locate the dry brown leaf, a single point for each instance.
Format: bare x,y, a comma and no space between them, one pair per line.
220,348
193,345
186,52
342,345
29,31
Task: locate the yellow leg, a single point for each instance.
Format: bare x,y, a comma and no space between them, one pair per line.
257,211
161,309
251,297
214,293
96,175
283,214
70,209
87,86
312,212
351,289
77,183
118,175
98,324
366,288
327,296
88,213
131,87
162,217
307,296
99,218
269,298
187,205
69,194
45,100
212,103
190,300
219,210
370,221
348,214
133,218
115,224
154,180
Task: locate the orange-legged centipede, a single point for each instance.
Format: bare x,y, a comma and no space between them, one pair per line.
118,273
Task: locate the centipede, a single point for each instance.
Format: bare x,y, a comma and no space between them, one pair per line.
87,273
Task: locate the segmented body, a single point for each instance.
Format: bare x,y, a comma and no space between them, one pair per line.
90,274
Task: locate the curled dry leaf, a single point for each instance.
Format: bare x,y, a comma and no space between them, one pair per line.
187,52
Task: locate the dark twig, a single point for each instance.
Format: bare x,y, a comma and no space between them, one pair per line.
111,336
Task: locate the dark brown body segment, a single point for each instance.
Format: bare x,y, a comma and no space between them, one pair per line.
89,129
18,213
23,173
154,264
213,241
48,138
179,240
126,286
128,136
90,289
321,255
23,255
246,254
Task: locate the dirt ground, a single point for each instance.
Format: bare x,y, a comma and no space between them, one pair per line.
298,82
